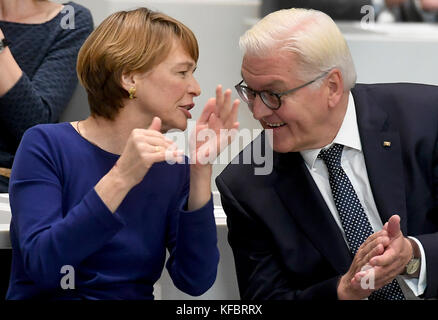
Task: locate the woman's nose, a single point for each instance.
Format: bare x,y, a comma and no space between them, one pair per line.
194,88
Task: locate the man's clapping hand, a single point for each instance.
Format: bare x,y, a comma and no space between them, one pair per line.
349,288
391,262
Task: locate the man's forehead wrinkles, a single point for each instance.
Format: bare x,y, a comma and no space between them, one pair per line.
265,76
262,82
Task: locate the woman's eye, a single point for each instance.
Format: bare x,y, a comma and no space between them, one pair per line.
183,72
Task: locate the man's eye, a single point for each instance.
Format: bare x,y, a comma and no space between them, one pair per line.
270,93
183,72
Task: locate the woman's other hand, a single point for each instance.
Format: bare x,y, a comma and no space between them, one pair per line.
143,148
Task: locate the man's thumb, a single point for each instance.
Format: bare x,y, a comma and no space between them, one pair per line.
393,226
156,124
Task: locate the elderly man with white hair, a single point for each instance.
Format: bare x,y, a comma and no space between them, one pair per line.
350,209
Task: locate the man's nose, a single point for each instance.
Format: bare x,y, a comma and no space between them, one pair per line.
259,109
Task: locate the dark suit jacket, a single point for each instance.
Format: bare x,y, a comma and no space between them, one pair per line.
285,241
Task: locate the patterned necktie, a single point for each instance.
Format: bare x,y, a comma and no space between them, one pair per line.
353,218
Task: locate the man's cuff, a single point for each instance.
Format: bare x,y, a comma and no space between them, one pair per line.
418,286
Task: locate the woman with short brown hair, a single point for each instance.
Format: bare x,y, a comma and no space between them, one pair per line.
101,196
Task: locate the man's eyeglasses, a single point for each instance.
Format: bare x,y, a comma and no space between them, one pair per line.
270,99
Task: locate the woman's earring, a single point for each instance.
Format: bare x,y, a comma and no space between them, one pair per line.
132,93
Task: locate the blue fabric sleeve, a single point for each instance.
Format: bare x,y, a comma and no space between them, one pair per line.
43,98
192,246
47,237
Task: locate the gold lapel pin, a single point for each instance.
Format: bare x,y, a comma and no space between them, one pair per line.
387,144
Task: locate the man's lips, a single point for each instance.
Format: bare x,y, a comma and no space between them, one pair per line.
274,125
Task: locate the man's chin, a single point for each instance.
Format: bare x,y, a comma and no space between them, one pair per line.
287,147
282,148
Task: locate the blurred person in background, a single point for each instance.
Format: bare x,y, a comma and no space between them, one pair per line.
385,10
39,44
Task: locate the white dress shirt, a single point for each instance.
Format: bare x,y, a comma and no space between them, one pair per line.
353,163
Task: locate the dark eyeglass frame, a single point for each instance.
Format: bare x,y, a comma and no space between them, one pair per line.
262,93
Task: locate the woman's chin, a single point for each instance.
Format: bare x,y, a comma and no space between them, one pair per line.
180,125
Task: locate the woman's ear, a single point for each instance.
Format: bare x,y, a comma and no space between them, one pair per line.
127,80
335,87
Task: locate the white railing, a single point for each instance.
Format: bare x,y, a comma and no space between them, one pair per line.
5,217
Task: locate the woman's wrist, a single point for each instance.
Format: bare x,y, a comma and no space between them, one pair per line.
200,186
11,71
113,188
201,171
124,182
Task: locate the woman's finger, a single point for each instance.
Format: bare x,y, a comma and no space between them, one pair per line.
209,108
155,141
233,114
154,154
219,100
174,156
226,106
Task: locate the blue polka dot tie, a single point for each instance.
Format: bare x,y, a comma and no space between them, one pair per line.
353,218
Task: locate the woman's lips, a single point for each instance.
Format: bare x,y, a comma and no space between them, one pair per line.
185,109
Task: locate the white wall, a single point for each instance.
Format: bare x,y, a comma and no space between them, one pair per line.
394,52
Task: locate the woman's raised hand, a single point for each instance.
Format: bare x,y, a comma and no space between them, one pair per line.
215,128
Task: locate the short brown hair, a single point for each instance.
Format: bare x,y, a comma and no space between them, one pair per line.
127,41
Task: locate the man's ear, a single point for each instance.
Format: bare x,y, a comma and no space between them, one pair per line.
335,87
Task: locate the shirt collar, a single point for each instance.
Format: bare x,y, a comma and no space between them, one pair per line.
348,135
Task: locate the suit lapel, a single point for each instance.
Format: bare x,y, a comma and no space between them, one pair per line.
384,163
301,196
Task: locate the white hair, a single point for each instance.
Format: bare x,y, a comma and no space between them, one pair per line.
312,35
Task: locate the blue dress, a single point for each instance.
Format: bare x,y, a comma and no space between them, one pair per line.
59,220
